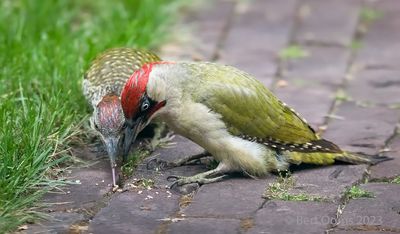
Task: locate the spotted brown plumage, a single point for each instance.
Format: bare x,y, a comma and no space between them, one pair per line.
102,85
110,70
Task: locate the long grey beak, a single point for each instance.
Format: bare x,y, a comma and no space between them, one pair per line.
130,134
112,150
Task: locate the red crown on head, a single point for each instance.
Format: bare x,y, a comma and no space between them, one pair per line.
135,87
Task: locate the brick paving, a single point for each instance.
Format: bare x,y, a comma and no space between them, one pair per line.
351,95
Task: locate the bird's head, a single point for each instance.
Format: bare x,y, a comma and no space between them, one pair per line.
139,104
108,120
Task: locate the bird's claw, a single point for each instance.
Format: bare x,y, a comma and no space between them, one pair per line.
159,142
163,165
182,180
159,164
173,178
152,164
173,184
176,181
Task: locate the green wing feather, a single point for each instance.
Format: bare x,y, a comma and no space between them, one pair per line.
246,105
249,108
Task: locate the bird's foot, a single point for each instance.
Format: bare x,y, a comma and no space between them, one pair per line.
158,163
161,164
158,141
206,177
199,178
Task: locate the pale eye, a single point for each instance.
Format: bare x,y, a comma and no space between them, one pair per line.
145,105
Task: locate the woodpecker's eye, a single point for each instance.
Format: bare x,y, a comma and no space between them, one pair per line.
145,105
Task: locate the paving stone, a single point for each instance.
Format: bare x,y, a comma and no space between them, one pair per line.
376,86
327,22
207,24
95,182
131,212
264,24
316,86
311,100
362,129
150,169
231,198
59,222
325,66
258,32
388,169
380,47
180,147
257,64
327,181
363,230
294,217
382,211
160,177
205,225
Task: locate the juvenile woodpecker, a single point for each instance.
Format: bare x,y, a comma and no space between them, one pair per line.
230,114
102,86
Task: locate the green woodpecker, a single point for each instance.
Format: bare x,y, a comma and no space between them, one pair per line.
228,113
102,86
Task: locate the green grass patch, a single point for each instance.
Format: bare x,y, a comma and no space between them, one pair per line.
356,192
341,95
133,160
356,45
45,47
279,190
369,15
142,183
396,180
145,183
293,52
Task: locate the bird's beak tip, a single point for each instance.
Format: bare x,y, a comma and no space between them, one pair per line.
112,150
114,179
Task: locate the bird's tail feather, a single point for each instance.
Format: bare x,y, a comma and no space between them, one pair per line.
330,158
361,158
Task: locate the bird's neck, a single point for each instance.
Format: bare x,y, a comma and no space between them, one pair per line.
165,83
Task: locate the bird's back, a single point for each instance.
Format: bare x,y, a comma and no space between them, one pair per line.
248,110
245,104
110,70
